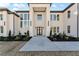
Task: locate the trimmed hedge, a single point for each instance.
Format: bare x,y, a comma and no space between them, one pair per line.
62,37
15,38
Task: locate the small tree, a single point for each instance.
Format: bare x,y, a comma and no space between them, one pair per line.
55,35
9,33
27,33
51,32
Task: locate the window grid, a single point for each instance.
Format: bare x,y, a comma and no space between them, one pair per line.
24,22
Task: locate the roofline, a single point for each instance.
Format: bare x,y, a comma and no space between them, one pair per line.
56,11
5,9
8,11
13,13
21,11
68,6
64,9
51,11
40,3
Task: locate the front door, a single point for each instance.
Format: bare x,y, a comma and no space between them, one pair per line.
39,31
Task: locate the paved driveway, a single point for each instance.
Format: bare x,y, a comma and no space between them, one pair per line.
40,43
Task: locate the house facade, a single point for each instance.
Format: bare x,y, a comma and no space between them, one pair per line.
39,20
9,21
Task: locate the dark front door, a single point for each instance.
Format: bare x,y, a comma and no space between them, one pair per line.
39,30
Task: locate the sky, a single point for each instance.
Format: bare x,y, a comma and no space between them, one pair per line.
24,6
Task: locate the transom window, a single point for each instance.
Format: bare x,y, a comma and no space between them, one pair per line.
39,16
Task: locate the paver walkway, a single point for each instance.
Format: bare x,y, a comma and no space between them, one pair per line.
41,43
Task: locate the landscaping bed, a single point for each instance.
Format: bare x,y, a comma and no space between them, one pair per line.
18,37
15,38
62,37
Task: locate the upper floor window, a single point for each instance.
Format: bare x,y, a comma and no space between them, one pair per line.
21,24
28,16
53,17
68,14
25,16
21,15
57,17
1,29
39,16
1,17
68,29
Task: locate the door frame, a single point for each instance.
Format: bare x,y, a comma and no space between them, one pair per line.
39,31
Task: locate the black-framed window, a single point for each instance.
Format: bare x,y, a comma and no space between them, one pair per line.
68,14
53,16
21,15
1,16
58,17
21,24
68,29
57,29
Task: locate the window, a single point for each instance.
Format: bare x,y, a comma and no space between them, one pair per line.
57,29
53,17
1,29
39,16
1,17
21,15
68,14
28,16
25,16
54,29
21,24
68,29
57,17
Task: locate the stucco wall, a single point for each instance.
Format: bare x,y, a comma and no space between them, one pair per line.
23,29
55,23
72,21
47,18
4,23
